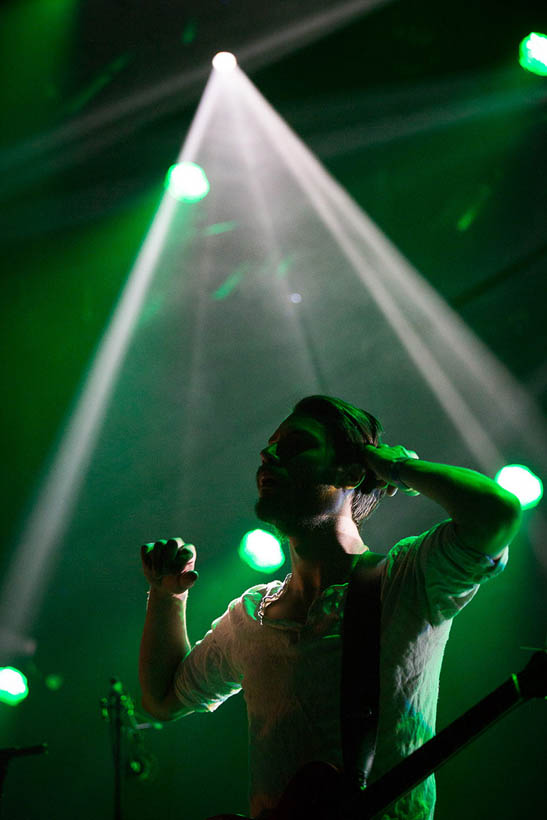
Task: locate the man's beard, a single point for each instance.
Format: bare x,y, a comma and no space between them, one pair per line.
294,511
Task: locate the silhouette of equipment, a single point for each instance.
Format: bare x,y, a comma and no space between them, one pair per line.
129,756
10,753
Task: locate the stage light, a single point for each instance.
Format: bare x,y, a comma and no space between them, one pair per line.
187,182
261,550
13,686
523,483
224,62
533,54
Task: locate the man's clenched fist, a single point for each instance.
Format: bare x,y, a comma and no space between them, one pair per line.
169,565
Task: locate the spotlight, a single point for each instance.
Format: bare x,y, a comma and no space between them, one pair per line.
523,483
261,551
13,686
187,182
533,54
224,62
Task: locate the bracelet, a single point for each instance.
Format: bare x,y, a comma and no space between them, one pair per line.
394,473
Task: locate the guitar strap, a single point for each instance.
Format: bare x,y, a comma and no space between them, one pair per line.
360,677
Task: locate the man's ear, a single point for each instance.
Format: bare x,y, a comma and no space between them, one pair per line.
350,475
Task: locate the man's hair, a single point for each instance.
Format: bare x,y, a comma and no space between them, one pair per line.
349,428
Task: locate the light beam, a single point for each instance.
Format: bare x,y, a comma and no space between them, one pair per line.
450,352
33,556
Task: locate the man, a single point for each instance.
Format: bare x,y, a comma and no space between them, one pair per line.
323,472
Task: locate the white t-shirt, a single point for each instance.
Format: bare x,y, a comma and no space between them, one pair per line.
290,672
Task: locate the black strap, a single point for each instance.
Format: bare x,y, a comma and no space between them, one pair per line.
360,681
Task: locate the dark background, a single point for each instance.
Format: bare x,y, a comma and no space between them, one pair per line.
421,111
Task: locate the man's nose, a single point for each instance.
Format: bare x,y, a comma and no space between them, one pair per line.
269,454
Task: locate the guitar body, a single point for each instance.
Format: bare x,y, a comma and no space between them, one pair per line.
316,792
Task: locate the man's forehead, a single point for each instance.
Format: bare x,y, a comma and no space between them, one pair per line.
298,423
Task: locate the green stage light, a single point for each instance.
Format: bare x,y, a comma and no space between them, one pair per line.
187,182
13,685
261,550
533,53
523,483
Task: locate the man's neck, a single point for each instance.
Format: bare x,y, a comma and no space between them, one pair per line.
323,556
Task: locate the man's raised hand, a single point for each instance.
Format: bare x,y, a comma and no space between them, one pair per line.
169,565
380,460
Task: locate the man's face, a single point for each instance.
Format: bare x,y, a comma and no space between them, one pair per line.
296,478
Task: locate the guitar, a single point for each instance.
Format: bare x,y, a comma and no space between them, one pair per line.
319,791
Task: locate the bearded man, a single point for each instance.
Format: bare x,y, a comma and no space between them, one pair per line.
322,473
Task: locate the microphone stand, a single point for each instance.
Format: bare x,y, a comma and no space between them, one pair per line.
130,758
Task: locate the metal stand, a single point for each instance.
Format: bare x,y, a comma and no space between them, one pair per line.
129,756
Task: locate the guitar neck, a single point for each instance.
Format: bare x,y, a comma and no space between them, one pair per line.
421,763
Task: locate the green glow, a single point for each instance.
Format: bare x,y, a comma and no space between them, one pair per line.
231,283
533,54
187,182
522,482
99,82
13,685
474,209
261,550
465,222
219,227
190,32
54,682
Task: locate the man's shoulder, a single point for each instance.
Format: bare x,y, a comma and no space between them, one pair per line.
248,603
436,573
406,556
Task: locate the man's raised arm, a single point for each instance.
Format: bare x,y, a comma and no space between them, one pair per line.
169,569
486,517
